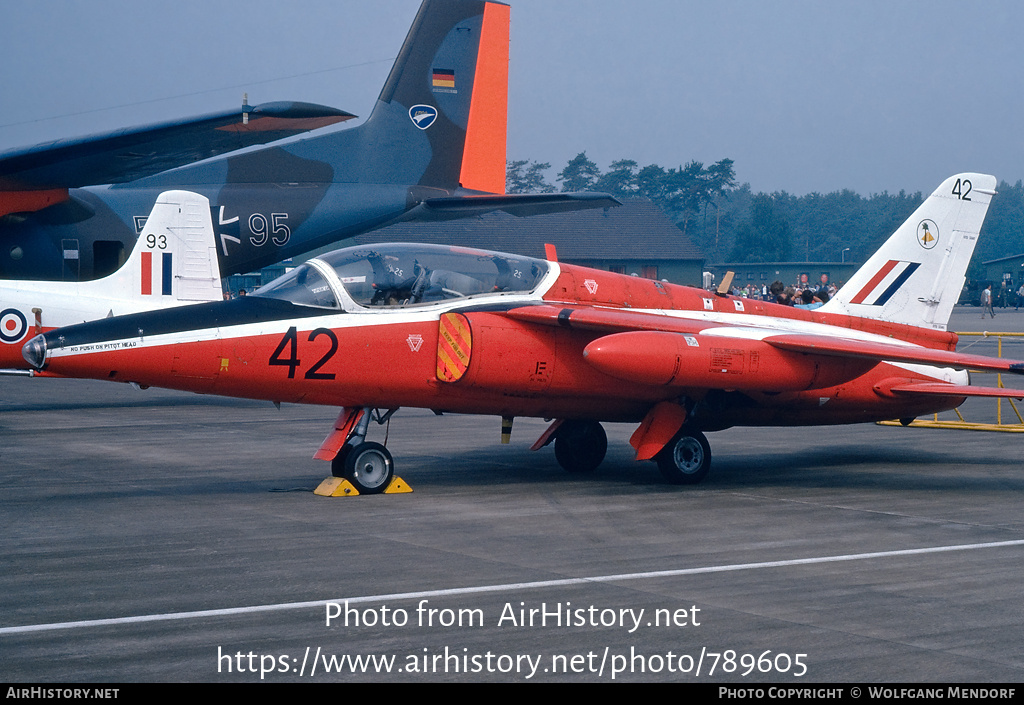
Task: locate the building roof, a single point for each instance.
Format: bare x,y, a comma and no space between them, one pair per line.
790,263
636,230
1002,259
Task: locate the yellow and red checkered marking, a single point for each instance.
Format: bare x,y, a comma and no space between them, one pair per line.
454,344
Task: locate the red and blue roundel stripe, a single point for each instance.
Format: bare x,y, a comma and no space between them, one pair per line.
885,283
166,274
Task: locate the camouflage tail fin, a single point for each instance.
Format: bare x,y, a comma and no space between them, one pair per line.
443,109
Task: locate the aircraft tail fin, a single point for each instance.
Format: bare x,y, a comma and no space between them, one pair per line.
174,259
444,105
916,277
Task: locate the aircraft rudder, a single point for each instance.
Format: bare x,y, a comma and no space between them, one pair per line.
196,269
484,157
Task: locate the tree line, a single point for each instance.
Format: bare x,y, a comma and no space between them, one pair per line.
730,223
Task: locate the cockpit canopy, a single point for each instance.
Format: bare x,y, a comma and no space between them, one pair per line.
304,285
399,275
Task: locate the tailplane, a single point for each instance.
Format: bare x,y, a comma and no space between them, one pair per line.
916,277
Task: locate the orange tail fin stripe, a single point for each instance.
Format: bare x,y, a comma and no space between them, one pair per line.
483,160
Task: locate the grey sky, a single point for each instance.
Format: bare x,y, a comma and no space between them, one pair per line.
804,96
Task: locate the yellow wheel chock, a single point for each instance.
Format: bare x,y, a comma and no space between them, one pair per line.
340,487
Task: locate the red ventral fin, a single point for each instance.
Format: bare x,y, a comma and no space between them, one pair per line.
658,428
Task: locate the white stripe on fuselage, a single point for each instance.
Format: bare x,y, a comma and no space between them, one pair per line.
720,325
365,318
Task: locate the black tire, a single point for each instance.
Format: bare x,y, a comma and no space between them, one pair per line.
686,460
338,464
369,467
580,446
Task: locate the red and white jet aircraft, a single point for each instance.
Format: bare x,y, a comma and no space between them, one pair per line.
379,327
174,262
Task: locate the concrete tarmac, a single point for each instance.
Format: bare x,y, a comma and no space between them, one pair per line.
159,536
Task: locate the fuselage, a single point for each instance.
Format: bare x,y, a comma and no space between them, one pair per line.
256,225
473,332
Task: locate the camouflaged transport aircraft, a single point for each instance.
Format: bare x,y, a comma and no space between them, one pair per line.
432,148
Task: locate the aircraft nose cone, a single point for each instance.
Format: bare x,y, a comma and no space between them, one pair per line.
34,352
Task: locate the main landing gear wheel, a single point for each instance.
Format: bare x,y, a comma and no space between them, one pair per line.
686,460
368,466
580,446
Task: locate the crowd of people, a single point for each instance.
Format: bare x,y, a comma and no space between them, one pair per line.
811,297
805,297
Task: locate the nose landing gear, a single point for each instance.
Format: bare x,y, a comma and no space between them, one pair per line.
368,467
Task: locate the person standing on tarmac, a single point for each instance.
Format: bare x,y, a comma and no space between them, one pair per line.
986,302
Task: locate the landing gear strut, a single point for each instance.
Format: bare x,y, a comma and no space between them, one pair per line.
580,446
686,459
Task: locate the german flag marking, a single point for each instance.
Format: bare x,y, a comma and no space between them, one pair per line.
444,78
454,345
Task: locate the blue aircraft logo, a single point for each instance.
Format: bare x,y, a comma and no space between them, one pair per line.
423,116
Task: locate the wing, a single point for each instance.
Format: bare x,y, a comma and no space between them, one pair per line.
517,204
130,154
886,352
617,320
606,319
953,390
657,349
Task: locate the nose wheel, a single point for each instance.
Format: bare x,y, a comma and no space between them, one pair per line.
368,466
